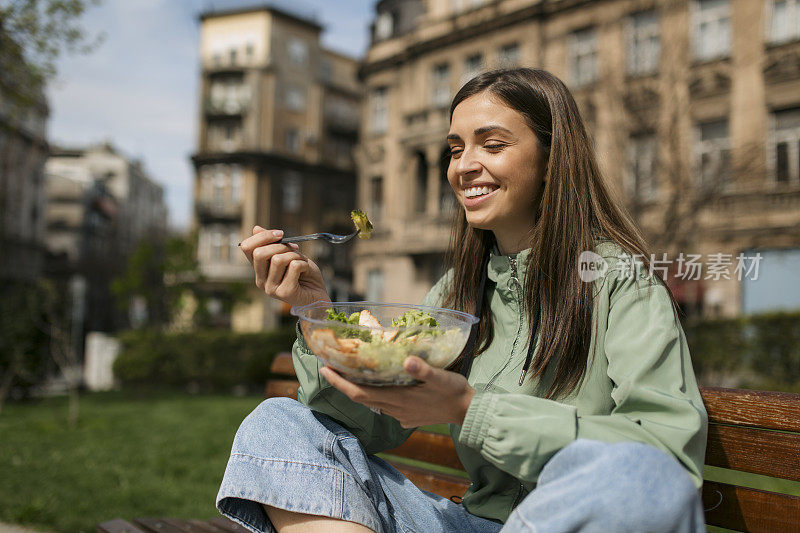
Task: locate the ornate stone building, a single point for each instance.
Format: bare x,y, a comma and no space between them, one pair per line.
278,123
694,107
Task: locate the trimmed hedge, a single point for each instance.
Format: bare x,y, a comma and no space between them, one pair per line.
764,349
204,361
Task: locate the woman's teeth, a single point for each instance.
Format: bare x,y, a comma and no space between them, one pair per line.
472,192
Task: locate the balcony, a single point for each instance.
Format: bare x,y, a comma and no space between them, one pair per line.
227,107
218,210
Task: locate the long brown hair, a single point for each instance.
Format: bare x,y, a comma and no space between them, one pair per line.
576,209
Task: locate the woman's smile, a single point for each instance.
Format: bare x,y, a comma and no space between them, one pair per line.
476,195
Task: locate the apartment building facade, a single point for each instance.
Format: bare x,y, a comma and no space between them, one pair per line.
23,151
99,205
694,109
278,123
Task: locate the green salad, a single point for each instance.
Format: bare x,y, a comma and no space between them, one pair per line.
361,342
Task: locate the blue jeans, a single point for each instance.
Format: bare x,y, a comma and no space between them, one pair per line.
287,456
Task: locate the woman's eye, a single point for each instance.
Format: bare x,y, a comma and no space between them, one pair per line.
454,151
494,146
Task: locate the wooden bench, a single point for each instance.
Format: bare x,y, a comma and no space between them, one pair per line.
749,431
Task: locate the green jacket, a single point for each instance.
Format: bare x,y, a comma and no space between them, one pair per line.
639,386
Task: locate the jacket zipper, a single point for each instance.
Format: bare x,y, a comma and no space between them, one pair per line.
518,499
514,285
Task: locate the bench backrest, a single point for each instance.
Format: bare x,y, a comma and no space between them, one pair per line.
749,431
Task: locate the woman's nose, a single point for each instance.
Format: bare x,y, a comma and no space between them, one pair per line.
468,163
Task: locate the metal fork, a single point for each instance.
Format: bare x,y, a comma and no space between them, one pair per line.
330,237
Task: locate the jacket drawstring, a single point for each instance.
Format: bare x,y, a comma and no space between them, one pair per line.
531,346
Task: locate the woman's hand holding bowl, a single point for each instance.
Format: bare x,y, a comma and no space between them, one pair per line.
442,397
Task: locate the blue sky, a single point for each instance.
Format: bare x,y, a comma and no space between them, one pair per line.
139,88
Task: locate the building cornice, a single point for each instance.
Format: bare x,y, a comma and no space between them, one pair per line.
542,9
259,9
254,157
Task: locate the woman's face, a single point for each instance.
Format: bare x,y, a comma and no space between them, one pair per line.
496,169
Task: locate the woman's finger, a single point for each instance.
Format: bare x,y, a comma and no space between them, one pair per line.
259,239
262,258
290,283
276,270
357,393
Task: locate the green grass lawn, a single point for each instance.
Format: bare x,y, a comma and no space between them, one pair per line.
160,455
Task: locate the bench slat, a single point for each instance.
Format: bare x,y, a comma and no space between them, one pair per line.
430,448
282,388
195,526
441,484
228,525
760,451
159,524
752,510
770,410
282,364
118,525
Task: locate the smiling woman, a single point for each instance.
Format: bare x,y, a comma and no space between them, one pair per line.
573,406
496,170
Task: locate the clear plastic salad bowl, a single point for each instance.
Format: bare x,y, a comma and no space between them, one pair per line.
367,342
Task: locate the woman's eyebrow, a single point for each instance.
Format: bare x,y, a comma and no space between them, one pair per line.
480,131
491,127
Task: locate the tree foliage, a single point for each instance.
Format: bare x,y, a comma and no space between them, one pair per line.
165,276
33,35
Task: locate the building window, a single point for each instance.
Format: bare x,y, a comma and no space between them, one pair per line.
642,155
472,67
583,57
384,25
376,198
440,95
508,55
249,51
292,187
644,44
236,183
421,186
295,98
785,146
232,56
379,110
713,155
784,23
464,5
374,291
326,69
218,243
711,29
297,49
225,135
293,140
447,200
227,96
219,186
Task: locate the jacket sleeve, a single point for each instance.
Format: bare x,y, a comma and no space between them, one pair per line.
655,396
376,432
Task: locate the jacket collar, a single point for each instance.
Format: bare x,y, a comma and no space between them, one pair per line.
499,268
